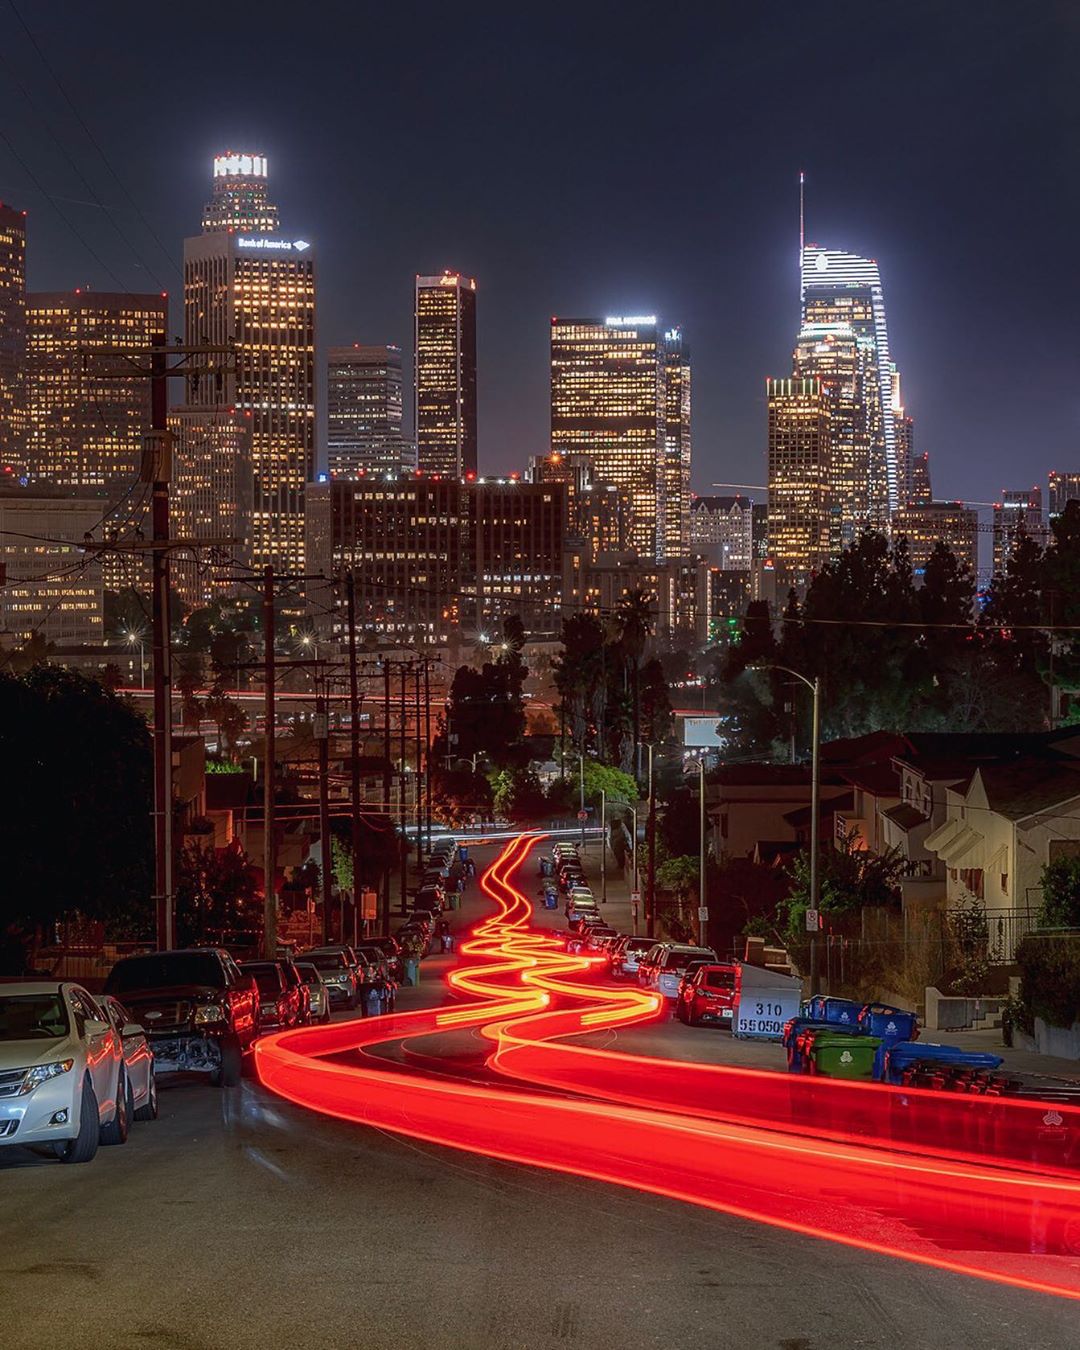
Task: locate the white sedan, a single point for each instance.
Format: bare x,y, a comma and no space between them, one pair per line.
62,1077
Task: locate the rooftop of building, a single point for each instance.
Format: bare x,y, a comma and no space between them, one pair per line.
1027,787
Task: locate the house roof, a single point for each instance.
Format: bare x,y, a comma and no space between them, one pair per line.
942,753
770,775
800,817
1023,789
881,779
905,815
870,749
773,851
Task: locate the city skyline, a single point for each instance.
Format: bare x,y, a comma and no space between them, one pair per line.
385,223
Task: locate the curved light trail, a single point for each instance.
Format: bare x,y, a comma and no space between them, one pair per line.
984,1187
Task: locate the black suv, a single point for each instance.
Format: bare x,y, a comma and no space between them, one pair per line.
200,1011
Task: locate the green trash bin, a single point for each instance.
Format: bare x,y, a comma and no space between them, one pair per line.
835,1055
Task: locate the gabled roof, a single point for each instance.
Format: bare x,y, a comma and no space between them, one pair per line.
1023,789
905,816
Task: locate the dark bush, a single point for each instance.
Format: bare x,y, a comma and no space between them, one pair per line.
1050,977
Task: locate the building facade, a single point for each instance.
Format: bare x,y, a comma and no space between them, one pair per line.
1019,512
722,530
843,288
444,374
1062,489
596,513
12,343
257,292
799,478
674,516
953,523
620,396
434,556
239,199
210,496
364,409
87,414
52,588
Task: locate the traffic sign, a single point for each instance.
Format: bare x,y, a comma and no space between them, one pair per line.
583,815
635,898
813,920
703,914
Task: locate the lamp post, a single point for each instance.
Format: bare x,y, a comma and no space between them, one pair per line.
603,846
581,812
650,891
814,686
133,640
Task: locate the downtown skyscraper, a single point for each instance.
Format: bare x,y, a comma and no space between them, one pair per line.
620,395
364,404
444,374
12,343
247,284
800,525
845,290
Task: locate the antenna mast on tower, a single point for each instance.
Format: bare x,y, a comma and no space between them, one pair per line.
802,240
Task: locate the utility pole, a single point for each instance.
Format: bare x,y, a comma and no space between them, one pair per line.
386,792
650,898
322,737
402,797
157,468
703,904
427,749
815,826
354,746
419,799
269,755
158,363
603,846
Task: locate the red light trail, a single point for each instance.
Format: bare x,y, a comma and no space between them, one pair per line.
984,1187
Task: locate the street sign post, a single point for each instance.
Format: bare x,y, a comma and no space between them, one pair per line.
813,920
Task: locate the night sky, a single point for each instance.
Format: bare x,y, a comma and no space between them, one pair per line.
597,159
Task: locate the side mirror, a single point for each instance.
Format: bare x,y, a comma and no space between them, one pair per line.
96,1027
132,1029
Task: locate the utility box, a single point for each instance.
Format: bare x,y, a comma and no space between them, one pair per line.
765,1000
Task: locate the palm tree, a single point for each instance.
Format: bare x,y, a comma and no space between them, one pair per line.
635,618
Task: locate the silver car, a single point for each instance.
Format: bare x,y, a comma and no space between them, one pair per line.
320,995
62,1075
138,1057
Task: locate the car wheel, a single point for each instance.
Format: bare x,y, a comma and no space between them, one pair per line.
232,1063
85,1144
116,1131
326,1016
681,1013
149,1108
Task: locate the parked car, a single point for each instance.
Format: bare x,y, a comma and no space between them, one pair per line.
318,992
337,974
669,968
579,910
138,1057
199,1009
598,935
297,982
626,954
62,1076
391,949
708,995
279,1001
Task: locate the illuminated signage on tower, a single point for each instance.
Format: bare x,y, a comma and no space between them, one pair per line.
240,166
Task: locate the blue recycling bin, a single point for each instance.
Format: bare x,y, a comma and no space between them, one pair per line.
551,899
838,1012
893,1058
891,1024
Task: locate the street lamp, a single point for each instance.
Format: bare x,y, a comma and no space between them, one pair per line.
703,908
136,639
603,846
814,686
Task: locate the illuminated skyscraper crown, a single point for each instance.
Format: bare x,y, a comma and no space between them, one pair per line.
240,201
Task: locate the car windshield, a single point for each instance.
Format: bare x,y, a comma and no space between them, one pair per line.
328,961
638,947
308,972
32,1017
720,979
162,969
680,960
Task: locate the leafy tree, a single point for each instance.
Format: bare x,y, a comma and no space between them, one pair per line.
76,828
485,712
216,890
620,788
459,796
656,719
518,795
849,878
1060,883
636,621
229,718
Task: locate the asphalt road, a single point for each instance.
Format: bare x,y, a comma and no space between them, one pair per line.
236,1220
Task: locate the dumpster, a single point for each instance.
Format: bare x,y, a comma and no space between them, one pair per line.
877,1019
840,1055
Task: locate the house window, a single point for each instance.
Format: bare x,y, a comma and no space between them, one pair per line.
1004,883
